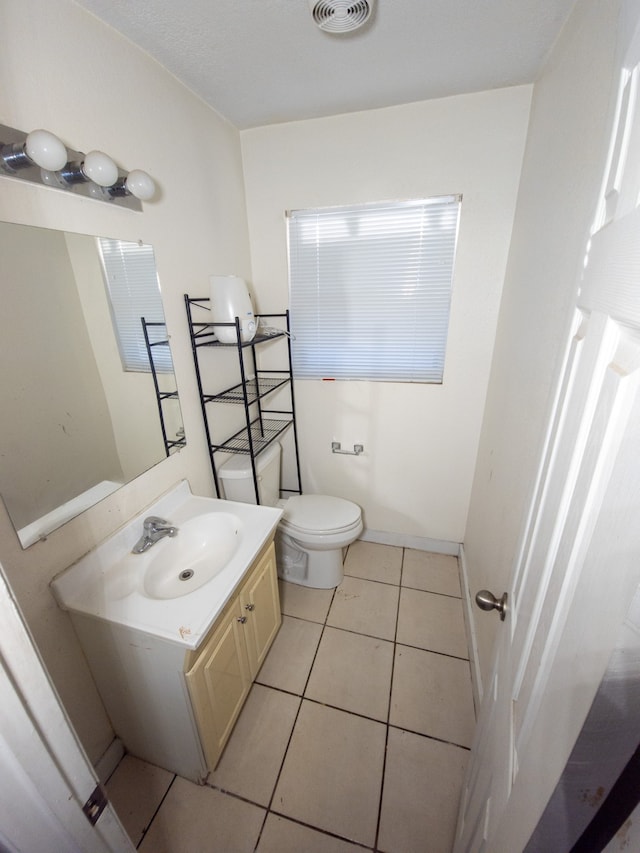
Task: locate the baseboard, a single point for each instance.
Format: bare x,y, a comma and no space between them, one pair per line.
405,540
470,624
108,762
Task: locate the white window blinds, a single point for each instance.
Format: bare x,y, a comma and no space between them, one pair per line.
132,286
370,289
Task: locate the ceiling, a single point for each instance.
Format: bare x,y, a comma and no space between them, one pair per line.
259,62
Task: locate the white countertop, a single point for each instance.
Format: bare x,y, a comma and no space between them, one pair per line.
108,582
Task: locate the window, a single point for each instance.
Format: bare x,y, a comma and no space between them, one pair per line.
370,289
132,286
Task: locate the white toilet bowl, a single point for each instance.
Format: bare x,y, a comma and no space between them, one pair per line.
314,529
311,537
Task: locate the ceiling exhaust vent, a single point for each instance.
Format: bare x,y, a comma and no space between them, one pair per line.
341,16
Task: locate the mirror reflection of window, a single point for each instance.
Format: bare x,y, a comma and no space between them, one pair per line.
132,285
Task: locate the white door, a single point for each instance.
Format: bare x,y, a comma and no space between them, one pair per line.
45,777
578,565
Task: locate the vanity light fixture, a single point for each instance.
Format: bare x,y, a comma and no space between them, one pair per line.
41,158
137,183
96,166
39,147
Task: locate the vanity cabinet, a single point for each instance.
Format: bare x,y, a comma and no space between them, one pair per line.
174,707
219,674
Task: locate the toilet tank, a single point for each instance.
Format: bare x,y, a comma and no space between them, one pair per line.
237,477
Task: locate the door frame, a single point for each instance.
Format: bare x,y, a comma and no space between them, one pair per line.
49,777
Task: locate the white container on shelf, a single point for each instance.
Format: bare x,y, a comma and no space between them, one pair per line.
230,299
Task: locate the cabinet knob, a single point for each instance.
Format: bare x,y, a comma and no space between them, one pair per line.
249,607
242,619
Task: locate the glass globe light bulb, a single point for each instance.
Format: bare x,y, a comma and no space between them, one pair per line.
46,150
140,184
100,168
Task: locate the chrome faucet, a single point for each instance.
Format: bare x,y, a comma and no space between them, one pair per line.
154,529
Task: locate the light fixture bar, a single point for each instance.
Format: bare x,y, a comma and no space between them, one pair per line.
41,158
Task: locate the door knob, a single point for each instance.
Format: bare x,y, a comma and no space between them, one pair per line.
487,601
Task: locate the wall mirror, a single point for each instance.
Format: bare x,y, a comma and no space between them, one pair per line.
76,421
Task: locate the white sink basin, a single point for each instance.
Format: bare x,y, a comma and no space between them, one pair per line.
178,586
201,549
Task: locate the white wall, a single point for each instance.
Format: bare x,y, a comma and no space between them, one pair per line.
420,440
562,173
64,70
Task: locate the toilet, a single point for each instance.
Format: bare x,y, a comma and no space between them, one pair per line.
313,530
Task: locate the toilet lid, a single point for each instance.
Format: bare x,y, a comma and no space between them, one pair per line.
320,513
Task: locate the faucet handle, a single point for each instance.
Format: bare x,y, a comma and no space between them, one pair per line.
153,521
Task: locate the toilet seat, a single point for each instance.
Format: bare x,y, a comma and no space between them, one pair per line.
319,515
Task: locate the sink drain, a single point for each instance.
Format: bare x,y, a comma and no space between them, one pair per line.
186,575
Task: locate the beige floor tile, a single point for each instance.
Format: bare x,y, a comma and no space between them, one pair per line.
332,773
136,790
284,836
288,663
433,622
431,572
366,607
253,756
304,602
197,819
431,695
374,562
422,785
352,672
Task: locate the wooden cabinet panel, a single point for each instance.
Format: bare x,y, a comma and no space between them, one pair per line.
219,682
220,673
260,601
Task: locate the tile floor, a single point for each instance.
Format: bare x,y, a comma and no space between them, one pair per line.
354,737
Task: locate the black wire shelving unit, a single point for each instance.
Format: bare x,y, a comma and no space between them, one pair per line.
262,426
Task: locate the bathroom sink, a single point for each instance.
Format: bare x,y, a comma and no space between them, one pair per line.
177,588
201,549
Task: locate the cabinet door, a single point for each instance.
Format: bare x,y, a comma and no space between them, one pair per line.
260,602
219,682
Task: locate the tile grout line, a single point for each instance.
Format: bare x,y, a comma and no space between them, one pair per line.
387,727
321,831
322,704
406,586
295,721
431,737
269,809
359,633
155,814
433,652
